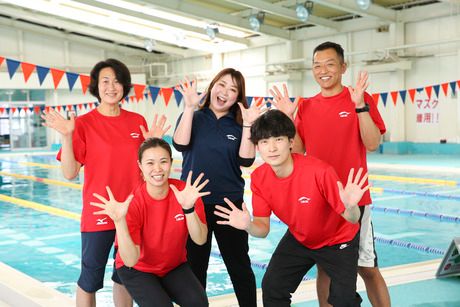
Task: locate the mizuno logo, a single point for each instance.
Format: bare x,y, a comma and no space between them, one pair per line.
101,221
304,200
342,246
135,135
344,114
231,137
179,217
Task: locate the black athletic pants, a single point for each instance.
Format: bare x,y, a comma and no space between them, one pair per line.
179,285
292,260
233,245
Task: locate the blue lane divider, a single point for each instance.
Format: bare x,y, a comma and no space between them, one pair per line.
424,194
411,245
433,216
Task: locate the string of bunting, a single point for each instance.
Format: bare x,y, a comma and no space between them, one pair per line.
143,91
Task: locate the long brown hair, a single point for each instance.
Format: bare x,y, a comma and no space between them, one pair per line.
238,78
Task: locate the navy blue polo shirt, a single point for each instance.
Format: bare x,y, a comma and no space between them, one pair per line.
214,150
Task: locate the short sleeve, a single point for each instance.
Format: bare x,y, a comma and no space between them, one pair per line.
78,143
260,207
134,220
374,113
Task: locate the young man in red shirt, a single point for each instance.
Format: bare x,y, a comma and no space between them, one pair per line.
320,213
339,125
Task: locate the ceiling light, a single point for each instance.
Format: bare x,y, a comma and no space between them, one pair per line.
149,44
256,20
304,10
363,4
212,30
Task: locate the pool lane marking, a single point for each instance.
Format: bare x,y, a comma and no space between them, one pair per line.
43,180
40,207
42,165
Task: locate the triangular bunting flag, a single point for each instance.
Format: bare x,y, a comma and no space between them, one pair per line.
71,79
259,100
420,89
1,60
139,91
90,105
84,81
403,95
268,103
146,95
57,76
166,92
452,86
154,93
58,108
384,98
37,109
127,99
2,109
131,98
13,109
436,89
12,67
394,96
27,70
42,72
178,96
47,109
412,94
445,87
80,106
458,83
375,97
428,90
249,99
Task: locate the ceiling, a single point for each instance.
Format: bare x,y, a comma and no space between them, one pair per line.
177,28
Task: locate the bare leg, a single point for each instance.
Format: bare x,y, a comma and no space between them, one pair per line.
323,283
376,288
85,299
121,297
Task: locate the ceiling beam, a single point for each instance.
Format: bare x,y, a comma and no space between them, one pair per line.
88,30
350,6
284,12
198,11
156,19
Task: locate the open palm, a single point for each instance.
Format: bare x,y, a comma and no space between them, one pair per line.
191,192
188,90
357,92
354,190
57,122
111,207
283,102
239,219
158,129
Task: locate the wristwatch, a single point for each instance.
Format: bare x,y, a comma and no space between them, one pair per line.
363,109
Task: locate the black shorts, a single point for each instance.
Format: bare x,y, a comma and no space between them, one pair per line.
95,251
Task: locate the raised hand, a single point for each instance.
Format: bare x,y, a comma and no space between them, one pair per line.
252,113
239,219
114,209
157,130
357,92
282,101
354,190
57,122
188,196
188,90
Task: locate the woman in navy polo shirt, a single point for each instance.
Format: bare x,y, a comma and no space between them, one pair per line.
214,140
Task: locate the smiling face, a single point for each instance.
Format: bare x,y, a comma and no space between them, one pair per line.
110,90
224,94
156,167
328,69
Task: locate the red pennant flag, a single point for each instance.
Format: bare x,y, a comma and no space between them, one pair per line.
258,100
375,97
167,92
445,86
84,80
13,109
47,109
412,94
58,108
2,110
90,105
25,109
428,90
139,91
458,83
80,106
394,96
57,76
131,98
37,109
27,70
1,60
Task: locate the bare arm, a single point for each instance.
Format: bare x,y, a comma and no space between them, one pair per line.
240,219
247,148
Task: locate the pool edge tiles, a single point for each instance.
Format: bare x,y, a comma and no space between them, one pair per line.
19,289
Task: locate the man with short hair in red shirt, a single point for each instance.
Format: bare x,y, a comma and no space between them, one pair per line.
321,215
339,125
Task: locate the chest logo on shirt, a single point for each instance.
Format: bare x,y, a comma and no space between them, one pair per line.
231,137
304,200
344,114
101,221
179,217
135,135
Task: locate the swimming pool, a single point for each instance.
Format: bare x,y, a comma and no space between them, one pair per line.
415,218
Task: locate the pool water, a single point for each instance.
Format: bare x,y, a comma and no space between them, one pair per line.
47,246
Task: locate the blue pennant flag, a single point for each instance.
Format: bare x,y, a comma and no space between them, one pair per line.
249,99
436,89
403,95
453,86
178,96
12,67
384,98
154,93
71,79
42,72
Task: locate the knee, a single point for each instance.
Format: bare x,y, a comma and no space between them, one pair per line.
368,273
198,299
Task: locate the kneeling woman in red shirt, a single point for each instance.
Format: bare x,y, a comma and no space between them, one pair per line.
152,227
